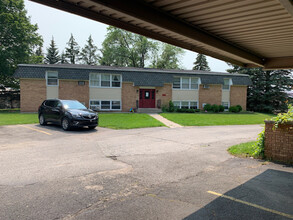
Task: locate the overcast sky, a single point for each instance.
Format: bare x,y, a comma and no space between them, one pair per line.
53,22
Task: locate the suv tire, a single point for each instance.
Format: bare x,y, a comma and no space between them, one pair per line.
65,124
42,120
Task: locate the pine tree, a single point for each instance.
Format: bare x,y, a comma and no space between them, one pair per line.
52,56
88,54
268,91
63,58
201,63
72,51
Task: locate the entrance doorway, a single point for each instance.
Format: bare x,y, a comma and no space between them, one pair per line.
147,98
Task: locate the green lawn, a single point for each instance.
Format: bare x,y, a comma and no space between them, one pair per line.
14,118
242,150
108,120
127,121
203,119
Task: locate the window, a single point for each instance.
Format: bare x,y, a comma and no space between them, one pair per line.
185,104
95,105
105,105
52,78
81,83
176,104
186,83
105,82
226,105
95,79
194,83
227,84
193,105
176,83
116,105
116,80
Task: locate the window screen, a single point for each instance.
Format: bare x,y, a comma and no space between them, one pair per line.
176,83
94,79
52,78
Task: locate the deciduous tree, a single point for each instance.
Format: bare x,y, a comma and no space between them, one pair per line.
18,39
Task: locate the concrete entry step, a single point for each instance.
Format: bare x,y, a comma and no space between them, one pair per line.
149,110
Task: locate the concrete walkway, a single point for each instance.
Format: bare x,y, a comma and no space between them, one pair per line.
165,121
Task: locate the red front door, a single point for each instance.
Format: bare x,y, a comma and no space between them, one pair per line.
147,98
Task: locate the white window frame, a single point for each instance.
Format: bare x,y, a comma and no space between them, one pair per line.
180,103
189,83
228,106
95,100
230,83
100,80
48,78
100,105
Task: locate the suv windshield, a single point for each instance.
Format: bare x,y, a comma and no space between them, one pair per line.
73,105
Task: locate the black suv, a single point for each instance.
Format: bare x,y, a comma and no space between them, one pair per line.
67,113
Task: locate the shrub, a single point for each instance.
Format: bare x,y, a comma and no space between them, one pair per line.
208,107
171,107
239,107
259,146
221,108
183,110
284,117
215,108
164,108
235,109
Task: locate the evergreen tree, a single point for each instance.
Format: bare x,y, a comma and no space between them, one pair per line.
52,56
37,57
63,58
201,63
88,54
72,51
268,91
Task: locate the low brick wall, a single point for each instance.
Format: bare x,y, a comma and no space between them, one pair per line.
279,142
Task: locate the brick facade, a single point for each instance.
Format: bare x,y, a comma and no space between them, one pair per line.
32,94
238,96
279,142
129,96
69,89
164,94
212,95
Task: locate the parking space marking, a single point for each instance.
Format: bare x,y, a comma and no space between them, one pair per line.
38,130
251,204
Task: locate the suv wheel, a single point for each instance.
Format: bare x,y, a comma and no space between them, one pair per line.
65,124
42,120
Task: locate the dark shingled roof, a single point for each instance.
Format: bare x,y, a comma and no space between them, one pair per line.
139,76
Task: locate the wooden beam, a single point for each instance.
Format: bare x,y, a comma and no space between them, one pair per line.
141,11
279,63
288,5
165,22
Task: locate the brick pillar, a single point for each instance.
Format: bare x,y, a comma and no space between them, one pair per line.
279,142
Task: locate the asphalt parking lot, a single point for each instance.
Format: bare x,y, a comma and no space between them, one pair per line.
151,173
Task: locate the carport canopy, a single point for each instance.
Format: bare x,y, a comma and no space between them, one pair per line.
250,33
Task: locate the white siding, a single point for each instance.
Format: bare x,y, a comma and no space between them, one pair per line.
225,95
52,92
105,93
190,95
